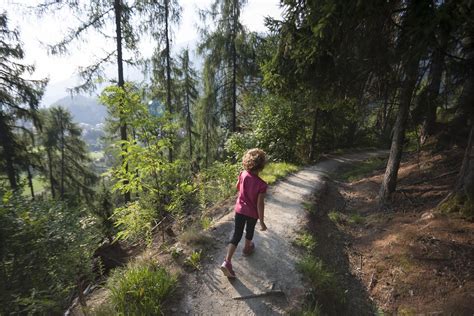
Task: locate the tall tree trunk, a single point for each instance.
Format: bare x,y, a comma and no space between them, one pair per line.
6,143
234,66
466,108
30,181
312,150
62,159
466,162
207,143
391,172
121,82
50,169
434,83
168,70
188,124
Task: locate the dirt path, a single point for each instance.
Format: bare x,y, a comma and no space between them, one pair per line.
272,266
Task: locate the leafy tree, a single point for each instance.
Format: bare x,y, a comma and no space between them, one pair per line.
162,185
19,99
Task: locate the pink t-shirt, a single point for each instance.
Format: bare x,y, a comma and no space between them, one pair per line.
250,186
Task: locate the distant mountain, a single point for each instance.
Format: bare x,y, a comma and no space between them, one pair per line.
83,109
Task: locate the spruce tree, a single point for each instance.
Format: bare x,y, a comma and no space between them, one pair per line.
68,165
19,100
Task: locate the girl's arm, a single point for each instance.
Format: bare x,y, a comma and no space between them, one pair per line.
261,210
238,182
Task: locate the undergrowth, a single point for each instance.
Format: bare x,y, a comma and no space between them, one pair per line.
326,291
341,218
277,170
459,204
362,169
139,289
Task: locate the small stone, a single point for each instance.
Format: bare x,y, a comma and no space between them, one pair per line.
174,309
427,215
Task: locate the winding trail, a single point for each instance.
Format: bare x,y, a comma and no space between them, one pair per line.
273,265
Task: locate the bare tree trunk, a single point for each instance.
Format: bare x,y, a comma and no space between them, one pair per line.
188,124
168,71
434,83
234,67
121,82
30,181
466,162
62,158
5,142
312,150
391,172
207,143
50,167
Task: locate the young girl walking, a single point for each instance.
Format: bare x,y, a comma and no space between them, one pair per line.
249,206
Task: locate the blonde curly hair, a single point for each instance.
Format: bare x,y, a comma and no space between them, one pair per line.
254,160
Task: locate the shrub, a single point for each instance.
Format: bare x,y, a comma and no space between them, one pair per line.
45,246
217,183
140,289
134,222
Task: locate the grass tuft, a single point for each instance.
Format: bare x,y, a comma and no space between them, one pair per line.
323,282
341,218
140,289
309,207
193,236
306,241
194,260
206,222
336,217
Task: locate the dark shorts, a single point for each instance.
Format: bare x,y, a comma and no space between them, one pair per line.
242,221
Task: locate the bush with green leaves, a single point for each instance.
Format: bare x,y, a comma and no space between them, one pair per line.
238,143
140,289
45,248
217,183
276,128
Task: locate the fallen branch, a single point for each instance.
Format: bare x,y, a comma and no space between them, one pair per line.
268,293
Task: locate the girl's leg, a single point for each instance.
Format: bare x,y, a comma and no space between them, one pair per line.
237,236
249,231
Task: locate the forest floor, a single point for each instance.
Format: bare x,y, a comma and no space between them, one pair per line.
408,259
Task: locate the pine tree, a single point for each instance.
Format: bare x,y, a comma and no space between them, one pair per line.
99,19
67,160
163,15
223,48
189,93
19,99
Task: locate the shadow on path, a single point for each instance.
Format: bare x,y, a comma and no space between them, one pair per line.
331,249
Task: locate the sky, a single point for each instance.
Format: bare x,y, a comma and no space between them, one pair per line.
36,32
